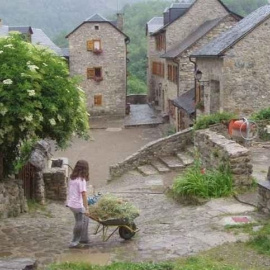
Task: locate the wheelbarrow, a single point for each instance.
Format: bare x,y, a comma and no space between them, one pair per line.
126,228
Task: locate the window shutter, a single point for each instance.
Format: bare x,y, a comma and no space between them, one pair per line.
90,73
98,100
90,45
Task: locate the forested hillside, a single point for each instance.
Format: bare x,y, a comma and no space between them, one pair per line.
58,17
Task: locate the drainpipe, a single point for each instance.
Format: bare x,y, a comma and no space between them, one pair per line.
127,41
195,81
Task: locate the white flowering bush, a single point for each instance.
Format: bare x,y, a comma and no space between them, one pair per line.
38,99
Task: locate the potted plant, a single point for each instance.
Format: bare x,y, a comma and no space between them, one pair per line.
97,51
98,79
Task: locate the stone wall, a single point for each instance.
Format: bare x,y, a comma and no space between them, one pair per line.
137,99
264,196
12,200
161,147
55,181
112,60
215,150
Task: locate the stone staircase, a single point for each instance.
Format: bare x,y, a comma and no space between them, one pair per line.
166,164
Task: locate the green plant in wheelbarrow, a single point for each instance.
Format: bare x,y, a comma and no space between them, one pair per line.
113,211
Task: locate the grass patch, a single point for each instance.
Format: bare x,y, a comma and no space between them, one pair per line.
261,240
205,121
192,263
210,184
34,206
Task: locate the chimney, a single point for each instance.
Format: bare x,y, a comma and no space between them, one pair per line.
120,21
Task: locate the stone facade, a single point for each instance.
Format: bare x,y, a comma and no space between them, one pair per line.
162,147
12,199
107,95
161,90
215,150
239,82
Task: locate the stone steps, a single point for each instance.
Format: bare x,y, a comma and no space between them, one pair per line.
165,164
172,162
186,158
160,166
147,170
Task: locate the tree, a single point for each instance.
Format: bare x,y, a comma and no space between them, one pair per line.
38,100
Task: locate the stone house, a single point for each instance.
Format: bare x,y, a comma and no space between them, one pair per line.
98,53
170,73
234,67
33,35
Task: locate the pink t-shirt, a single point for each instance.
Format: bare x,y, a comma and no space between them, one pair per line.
75,189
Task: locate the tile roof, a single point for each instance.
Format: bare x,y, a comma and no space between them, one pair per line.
192,38
38,36
96,18
154,24
186,101
188,4
219,45
21,29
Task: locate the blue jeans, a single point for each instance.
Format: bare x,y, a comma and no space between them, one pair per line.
80,231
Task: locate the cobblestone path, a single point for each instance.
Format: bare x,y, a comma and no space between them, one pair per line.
167,229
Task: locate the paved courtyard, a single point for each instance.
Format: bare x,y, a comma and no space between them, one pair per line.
167,229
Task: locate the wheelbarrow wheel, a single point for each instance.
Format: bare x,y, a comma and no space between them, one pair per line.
127,234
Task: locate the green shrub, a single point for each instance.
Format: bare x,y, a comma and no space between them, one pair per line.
210,184
262,115
205,121
38,100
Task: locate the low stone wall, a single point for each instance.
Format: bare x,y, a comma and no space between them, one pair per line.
12,200
1,166
264,196
215,150
137,99
55,181
161,147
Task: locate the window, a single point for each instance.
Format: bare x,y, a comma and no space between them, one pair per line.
96,27
98,100
94,45
95,73
160,42
97,44
172,73
158,69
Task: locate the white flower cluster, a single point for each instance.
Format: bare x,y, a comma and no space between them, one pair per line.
3,109
52,122
9,46
29,117
33,68
7,81
31,93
